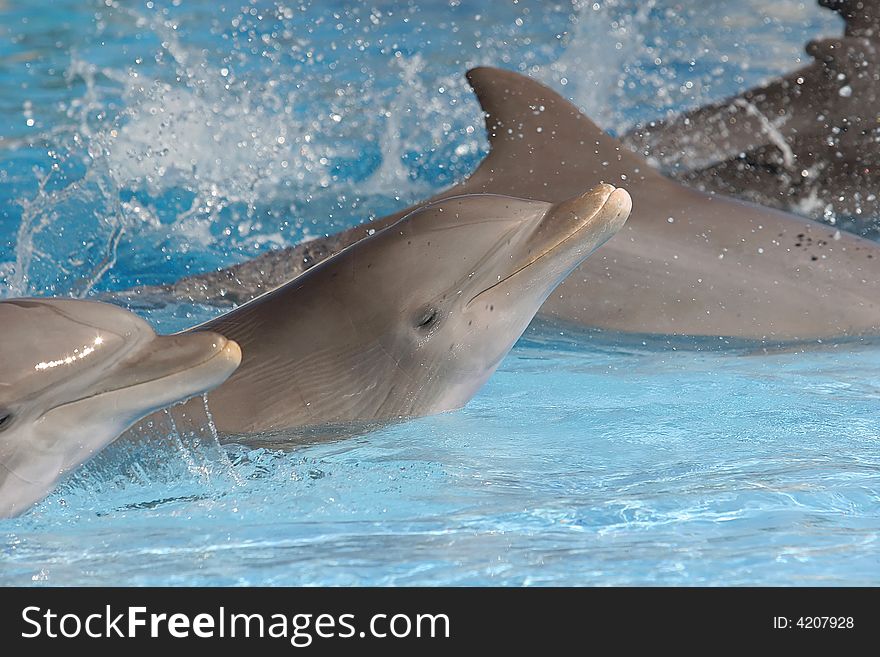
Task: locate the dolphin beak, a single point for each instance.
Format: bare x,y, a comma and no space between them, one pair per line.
572,230
603,210
187,364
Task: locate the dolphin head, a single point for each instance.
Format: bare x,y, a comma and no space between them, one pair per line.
449,289
411,320
75,374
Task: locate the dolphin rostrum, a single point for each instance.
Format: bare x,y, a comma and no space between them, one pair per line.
75,374
687,263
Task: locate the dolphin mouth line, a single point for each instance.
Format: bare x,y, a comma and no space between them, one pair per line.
565,239
221,350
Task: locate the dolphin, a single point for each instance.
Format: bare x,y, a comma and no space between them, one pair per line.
75,374
409,321
687,263
808,141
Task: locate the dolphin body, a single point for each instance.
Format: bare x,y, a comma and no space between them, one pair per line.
409,321
687,263
808,141
75,374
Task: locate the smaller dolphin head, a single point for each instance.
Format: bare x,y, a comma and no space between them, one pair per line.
412,320
75,374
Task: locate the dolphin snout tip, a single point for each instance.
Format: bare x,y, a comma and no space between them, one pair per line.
228,350
231,352
617,210
219,355
595,196
620,200
223,362
602,201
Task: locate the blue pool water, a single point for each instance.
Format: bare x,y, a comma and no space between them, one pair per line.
143,140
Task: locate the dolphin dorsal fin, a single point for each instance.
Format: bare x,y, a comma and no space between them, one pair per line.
538,138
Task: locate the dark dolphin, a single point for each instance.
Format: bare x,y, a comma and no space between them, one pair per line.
808,141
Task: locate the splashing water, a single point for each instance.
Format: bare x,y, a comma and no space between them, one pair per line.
201,135
633,465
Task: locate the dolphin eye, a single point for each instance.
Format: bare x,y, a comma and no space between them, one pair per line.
5,420
427,319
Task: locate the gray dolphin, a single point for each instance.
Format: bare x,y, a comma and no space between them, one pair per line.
411,320
75,374
808,141
687,262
